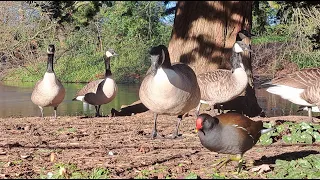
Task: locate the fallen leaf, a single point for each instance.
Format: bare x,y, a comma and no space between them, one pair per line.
62,171
8,164
49,175
52,157
4,175
161,176
24,156
74,144
262,168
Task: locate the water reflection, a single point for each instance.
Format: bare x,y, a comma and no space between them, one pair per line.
15,100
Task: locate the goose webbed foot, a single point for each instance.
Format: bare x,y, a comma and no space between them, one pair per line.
176,132
154,134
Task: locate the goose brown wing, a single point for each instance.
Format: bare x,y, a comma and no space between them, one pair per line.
213,76
300,79
91,87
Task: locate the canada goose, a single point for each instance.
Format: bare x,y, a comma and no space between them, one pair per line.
223,85
101,91
301,87
48,91
169,89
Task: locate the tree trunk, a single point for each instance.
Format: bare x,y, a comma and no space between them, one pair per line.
203,35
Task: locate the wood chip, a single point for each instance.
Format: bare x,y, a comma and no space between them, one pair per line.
262,168
3,153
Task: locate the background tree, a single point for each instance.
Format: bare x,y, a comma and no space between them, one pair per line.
203,35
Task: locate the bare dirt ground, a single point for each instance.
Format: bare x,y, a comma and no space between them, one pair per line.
27,143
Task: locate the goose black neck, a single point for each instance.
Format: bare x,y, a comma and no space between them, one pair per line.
236,60
107,66
50,63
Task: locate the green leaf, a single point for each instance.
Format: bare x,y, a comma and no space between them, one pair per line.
275,134
218,176
287,139
296,175
316,126
192,176
309,131
293,163
304,163
305,125
317,164
281,163
307,138
267,125
280,128
316,136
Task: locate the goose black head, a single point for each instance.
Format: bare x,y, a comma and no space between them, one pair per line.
159,56
110,53
240,46
242,34
236,58
51,49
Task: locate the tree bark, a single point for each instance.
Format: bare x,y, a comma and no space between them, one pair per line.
203,35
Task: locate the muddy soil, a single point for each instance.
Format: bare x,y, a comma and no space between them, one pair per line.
27,143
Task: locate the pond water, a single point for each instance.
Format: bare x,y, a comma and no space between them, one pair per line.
15,101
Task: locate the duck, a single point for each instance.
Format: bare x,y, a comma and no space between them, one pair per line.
224,85
230,133
301,87
168,88
49,90
101,91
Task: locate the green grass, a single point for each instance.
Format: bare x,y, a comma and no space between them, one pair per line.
71,171
81,68
68,130
306,60
145,173
264,39
191,175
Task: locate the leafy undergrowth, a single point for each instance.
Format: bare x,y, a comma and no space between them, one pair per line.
290,133
308,167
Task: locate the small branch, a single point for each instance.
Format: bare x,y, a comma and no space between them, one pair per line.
41,32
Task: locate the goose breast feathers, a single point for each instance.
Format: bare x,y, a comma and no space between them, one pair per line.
171,91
